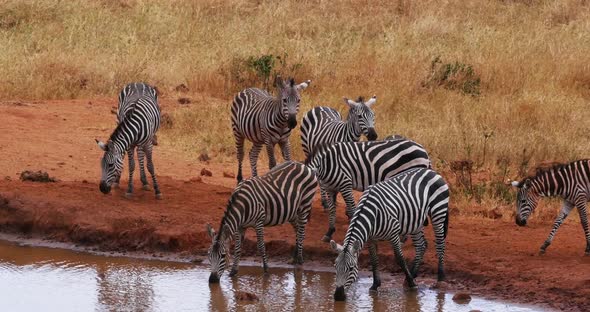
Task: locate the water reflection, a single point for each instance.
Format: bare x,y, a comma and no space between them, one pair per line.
40,279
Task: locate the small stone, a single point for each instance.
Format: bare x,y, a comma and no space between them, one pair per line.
462,297
184,100
181,88
245,296
204,157
206,172
229,175
85,181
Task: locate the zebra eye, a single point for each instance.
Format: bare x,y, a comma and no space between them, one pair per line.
285,100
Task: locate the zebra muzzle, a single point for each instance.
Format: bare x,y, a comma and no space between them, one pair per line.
520,222
292,121
371,134
104,188
339,294
213,278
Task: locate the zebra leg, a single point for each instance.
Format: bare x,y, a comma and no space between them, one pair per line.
150,166
349,200
439,239
324,198
270,149
565,210
374,257
254,152
140,157
331,221
401,261
240,154
420,245
131,156
285,149
299,228
584,220
239,236
260,244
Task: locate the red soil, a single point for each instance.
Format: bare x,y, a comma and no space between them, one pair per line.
490,257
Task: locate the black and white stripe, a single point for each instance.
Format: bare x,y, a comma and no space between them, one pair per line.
388,209
265,120
344,167
282,195
324,125
569,181
138,120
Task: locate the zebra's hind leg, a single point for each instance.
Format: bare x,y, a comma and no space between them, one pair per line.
584,220
239,237
565,210
260,244
332,222
401,261
270,149
254,152
140,156
374,257
131,156
150,166
420,245
299,236
439,238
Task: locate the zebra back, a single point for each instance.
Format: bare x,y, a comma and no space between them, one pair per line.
131,94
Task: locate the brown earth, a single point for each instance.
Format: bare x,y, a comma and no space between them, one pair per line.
490,257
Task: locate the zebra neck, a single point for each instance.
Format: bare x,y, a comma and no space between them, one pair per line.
352,127
548,184
276,113
358,232
123,136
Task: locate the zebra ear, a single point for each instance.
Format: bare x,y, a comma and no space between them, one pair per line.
210,231
371,101
102,146
337,248
515,183
350,103
279,82
303,85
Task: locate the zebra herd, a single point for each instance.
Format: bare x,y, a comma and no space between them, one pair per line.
401,191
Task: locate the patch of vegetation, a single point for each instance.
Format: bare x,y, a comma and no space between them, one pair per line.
454,76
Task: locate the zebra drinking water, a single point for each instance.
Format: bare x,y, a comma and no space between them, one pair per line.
347,166
569,181
282,195
135,130
386,210
265,120
324,125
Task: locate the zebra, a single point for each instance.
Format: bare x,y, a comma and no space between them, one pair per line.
127,101
345,166
569,181
265,120
135,130
284,194
324,125
386,210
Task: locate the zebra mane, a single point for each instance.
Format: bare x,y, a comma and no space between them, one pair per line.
227,208
360,100
545,167
120,126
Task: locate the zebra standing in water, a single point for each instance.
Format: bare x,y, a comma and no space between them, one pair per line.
282,195
388,209
135,130
324,125
569,181
127,100
265,120
347,166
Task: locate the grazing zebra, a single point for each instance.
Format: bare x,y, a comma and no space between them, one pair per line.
324,125
347,166
282,195
386,210
265,120
136,129
569,181
127,101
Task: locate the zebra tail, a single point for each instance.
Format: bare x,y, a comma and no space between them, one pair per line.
446,224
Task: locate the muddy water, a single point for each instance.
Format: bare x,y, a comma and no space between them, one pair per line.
44,279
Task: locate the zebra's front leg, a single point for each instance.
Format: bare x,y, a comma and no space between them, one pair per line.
260,244
150,166
374,257
131,156
401,261
239,236
349,200
270,149
584,220
285,149
420,245
254,152
326,196
565,210
140,156
331,222
439,239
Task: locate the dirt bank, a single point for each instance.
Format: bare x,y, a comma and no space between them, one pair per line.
484,256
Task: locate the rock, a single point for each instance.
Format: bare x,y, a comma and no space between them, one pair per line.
204,157
246,296
39,176
462,297
166,121
196,179
184,100
181,88
495,213
85,181
229,175
206,172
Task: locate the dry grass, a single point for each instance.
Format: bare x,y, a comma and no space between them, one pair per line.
532,58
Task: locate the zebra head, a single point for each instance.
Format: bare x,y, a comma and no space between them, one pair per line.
290,98
363,116
346,267
526,201
111,164
217,252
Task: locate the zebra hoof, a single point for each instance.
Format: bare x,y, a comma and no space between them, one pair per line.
159,196
410,283
129,195
233,273
295,261
326,239
541,252
146,187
